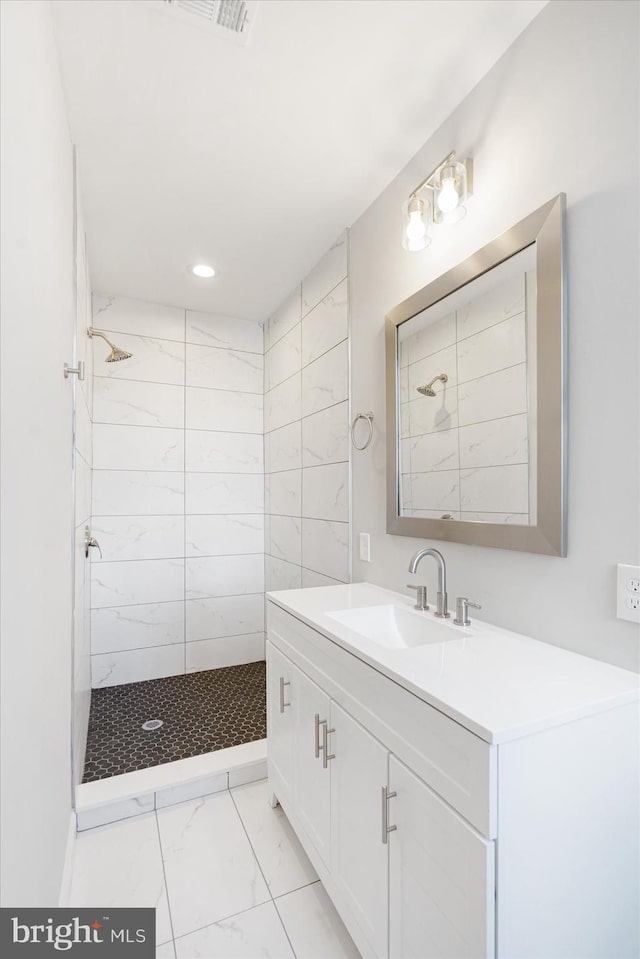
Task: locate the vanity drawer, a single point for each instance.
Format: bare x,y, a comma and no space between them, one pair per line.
459,766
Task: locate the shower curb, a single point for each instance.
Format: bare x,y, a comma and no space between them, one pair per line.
132,794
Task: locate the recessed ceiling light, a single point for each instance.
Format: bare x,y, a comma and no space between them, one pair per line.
203,270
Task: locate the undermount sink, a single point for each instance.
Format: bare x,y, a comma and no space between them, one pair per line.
394,627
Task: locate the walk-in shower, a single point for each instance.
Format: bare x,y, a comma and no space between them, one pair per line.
137,725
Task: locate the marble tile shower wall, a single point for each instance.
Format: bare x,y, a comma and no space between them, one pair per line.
178,498
465,452
307,430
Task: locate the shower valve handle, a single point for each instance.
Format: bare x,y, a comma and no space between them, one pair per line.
90,542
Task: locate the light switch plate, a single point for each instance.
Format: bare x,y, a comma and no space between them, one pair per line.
365,547
628,593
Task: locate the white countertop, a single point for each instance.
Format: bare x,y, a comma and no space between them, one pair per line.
498,684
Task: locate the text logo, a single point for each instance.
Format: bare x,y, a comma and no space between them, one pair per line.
80,932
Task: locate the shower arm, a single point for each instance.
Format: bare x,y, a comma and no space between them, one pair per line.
91,333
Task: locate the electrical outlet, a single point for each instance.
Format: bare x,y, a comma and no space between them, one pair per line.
628,605
365,547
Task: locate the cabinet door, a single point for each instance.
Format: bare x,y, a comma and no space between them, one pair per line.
359,860
312,778
441,877
280,721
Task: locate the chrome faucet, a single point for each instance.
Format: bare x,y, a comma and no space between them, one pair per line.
441,610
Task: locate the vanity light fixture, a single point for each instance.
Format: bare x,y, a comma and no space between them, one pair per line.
450,184
203,270
416,223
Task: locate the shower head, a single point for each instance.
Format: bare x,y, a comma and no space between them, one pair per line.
427,389
116,353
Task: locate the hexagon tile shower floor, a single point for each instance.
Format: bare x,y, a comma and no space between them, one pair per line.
200,712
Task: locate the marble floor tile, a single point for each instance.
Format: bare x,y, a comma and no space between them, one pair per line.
166,951
314,927
121,865
210,867
249,935
282,859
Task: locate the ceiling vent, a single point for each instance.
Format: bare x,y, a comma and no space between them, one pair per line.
229,18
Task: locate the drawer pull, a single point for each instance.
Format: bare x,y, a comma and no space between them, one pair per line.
326,755
386,828
283,683
317,747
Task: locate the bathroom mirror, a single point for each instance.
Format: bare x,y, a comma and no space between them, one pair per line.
476,408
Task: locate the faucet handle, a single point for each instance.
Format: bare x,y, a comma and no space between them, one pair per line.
421,596
462,611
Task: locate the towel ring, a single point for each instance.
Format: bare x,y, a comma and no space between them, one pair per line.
369,418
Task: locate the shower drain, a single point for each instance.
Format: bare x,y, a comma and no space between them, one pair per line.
152,724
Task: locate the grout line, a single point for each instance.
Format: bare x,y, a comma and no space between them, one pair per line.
164,874
302,315
306,366
242,912
307,416
173,472
181,342
140,336
130,379
495,419
179,429
221,349
484,376
148,515
286,932
169,559
189,599
332,290
314,466
465,469
138,649
250,843
283,895
463,338
261,870
158,602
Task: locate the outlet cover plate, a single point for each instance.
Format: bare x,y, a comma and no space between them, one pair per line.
628,595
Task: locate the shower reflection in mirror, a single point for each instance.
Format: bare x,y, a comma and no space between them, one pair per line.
467,383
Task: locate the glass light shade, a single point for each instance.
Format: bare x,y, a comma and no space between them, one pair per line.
416,224
450,190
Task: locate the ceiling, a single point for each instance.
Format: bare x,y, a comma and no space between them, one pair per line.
254,158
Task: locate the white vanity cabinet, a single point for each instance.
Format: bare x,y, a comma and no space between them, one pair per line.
441,876
312,781
332,777
281,722
434,843
358,856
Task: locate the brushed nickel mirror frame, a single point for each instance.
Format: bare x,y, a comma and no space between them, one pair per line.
545,228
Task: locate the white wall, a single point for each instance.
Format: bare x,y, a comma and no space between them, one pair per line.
37,338
178,498
558,112
307,429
